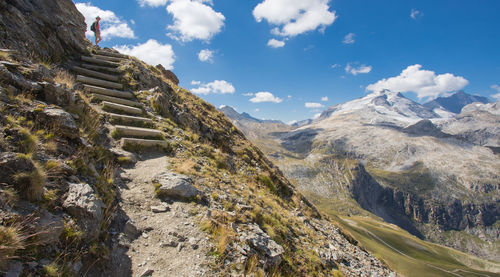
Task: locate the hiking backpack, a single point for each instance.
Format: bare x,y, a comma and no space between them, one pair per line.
92,27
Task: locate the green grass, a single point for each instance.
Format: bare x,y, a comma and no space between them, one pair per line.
416,179
411,256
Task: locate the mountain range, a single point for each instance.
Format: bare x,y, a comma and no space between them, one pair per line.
424,168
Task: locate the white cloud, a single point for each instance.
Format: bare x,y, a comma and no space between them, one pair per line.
349,38
313,105
414,14
111,25
292,122
257,110
216,87
361,69
324,99
295,17
274,43
151,52
152,3
265,96
194,20
206,55
195,83
497,88
335,65
425,83
248,94
316,115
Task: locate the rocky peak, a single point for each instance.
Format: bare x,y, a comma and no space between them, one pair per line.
454,103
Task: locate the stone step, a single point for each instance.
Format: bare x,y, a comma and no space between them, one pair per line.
98,82
136,132
121,108
127,119
111,54
116,100
99,61
109,92
96,74
107,58
127,142
101,68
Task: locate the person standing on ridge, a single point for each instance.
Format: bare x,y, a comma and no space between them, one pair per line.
97,30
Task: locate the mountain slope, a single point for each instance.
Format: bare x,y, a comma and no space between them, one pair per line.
83,193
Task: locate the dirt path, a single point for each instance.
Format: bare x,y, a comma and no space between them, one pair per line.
170,242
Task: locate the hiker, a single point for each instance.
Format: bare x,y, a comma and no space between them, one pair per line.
97,30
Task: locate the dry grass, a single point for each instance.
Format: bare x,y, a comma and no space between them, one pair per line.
185,167
11,240
64,78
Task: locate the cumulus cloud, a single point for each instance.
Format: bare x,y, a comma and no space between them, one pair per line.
497,88
194,20
265,96
248,94
206,55
313,105
324,99
360,69
151,52
274,43
216,87
295,17
414,14
349,38
335,65
111,25
425,83
152,3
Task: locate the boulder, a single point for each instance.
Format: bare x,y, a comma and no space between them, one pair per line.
4,97
260,241
61,120
57,94
50,227
83,204
175,186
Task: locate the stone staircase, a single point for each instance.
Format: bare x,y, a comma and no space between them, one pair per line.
99,74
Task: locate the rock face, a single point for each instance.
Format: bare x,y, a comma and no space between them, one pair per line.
264,244
83,204
45,28
175,186
50,227
11,164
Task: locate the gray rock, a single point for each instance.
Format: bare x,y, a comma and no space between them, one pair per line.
130,230
4,97
159,209
147,272
60,119
57,94
175,185
259,240
50,227
11,164
83,204
15,269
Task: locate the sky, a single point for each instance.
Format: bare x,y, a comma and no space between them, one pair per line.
292,59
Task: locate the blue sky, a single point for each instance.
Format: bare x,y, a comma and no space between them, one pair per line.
291,59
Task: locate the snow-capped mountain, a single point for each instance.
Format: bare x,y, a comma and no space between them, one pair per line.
383,107
454,103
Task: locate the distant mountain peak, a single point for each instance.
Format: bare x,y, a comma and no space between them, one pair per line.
455,102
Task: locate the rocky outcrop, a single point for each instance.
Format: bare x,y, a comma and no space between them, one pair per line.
264,244
175,186
83,204
44,29
168,74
